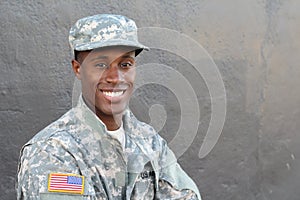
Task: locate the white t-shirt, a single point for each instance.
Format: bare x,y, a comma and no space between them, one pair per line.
118,134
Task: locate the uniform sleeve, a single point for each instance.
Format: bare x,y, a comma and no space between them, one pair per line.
174,183
35,164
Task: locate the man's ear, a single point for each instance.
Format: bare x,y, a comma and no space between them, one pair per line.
76,68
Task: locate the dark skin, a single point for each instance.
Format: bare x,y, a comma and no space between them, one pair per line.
107,77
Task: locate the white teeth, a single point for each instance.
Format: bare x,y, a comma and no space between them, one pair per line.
113,94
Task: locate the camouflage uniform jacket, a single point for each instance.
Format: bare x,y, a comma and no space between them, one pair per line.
77,143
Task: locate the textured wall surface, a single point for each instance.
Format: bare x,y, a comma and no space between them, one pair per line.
255,45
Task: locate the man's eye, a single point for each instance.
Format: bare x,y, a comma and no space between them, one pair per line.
101,65
126,65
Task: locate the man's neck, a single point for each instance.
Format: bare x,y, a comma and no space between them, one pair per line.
112,122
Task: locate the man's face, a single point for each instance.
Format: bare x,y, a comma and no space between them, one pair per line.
107,76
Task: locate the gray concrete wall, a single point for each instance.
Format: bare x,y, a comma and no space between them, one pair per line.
255,45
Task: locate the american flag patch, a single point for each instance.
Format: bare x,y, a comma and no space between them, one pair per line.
68,183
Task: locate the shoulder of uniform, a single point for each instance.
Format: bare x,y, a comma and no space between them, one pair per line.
61,124
57,130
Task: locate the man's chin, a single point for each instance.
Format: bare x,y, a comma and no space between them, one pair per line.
111,111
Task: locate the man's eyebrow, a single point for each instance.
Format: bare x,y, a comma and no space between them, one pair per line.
127,56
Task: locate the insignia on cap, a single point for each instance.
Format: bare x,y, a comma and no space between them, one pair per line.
67,183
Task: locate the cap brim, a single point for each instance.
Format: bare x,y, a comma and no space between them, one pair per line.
100,44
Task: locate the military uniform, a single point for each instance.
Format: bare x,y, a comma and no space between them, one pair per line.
75,157
77,143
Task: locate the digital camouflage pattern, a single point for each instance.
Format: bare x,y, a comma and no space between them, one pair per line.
104,30
78,143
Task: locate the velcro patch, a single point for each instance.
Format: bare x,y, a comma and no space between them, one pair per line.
67,183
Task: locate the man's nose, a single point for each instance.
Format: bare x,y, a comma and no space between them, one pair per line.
114,74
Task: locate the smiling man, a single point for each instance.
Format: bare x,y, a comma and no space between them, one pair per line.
99,150
107,76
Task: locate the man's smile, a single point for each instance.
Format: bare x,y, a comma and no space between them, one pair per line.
113,93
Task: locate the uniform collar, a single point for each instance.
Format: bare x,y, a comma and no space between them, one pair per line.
132,126
89,117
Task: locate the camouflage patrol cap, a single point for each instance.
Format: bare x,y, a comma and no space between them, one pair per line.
102,31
